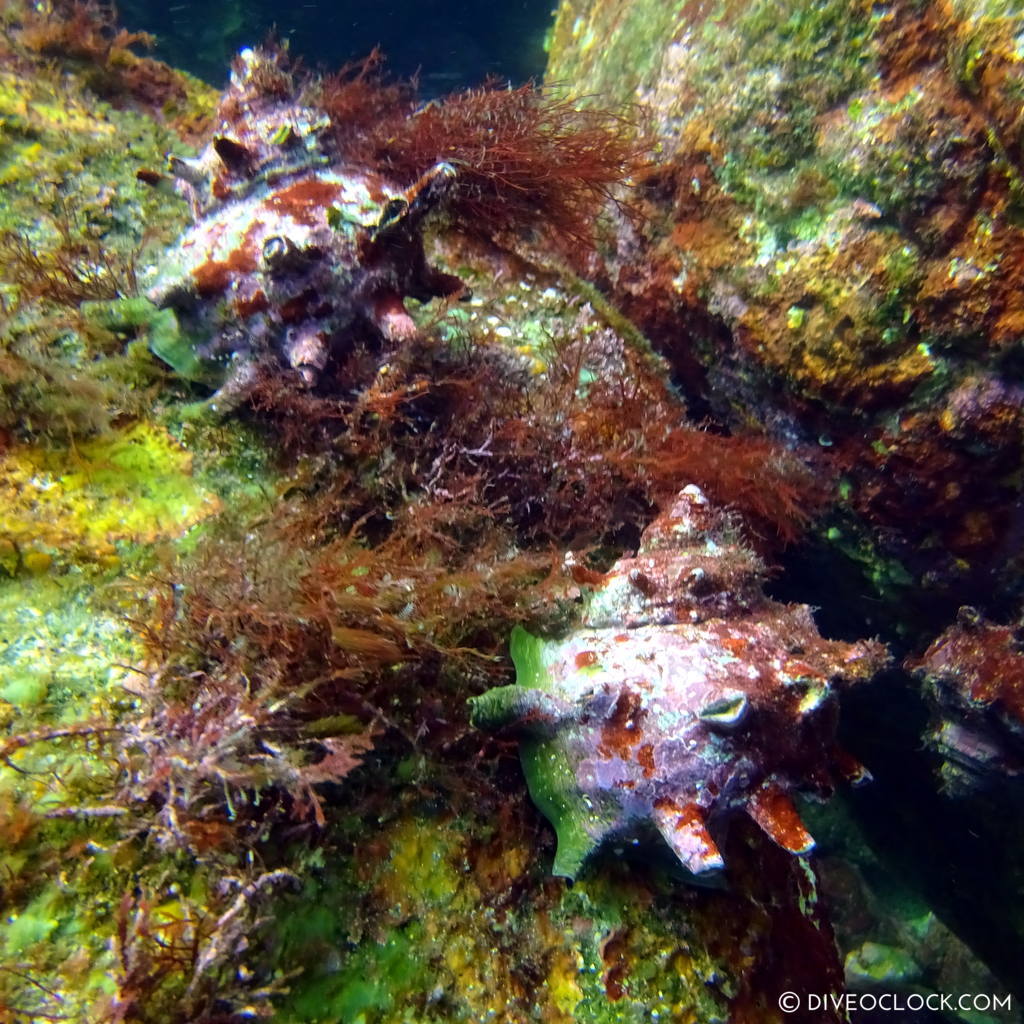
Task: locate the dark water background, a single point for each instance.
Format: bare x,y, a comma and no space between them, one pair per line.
452,43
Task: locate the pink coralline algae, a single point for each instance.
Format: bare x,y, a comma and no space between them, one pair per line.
974,675
290,248
684,696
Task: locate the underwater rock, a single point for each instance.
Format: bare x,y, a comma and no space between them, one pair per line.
289,247
974,676
829,245
876,964
684,695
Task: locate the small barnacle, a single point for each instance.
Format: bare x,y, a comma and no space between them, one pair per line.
725,712
306,351
394,210
275,252
236,158
188,170
284,135
282,256
814,696
154,179
697,581
968,617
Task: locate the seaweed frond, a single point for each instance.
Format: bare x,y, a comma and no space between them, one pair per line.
526,157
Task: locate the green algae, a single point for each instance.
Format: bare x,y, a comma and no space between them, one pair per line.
375,982
162,332
666,976
81,518
75,224
756,76
131,487
549,775
67,651
378,977
610,50
51,131
436,945
799,61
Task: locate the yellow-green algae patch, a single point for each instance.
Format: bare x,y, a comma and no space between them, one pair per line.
134,486
92,150
436,918
53,129
71,664
63,654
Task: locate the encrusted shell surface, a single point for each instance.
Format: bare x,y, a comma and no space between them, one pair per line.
685,695
290,245
974,676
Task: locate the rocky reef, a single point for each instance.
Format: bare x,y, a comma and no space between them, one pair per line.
831,247
684,695
744,345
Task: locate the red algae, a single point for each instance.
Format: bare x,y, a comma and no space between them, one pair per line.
305,201
525,157
213,277
259,303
